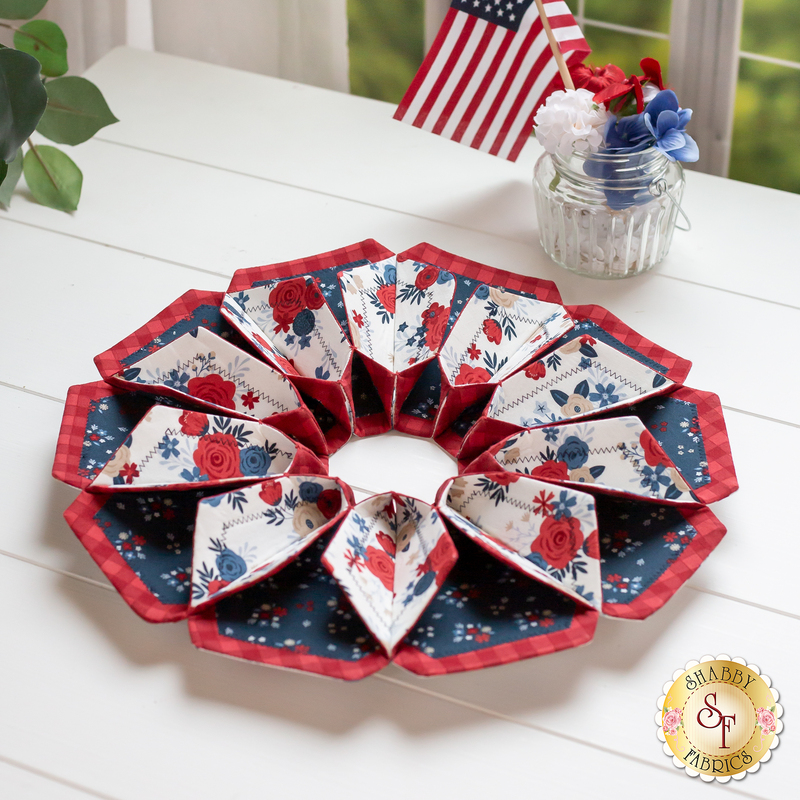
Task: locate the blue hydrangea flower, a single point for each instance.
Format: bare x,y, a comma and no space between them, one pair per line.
666,123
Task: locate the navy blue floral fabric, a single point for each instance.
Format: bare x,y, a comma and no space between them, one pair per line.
638,542
676,427
301,608
595,331
108,425
483,603
423,399
207,316
153,533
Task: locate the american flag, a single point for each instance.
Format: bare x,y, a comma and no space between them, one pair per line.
489,69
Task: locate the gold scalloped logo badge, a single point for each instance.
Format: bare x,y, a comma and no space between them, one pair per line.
719,718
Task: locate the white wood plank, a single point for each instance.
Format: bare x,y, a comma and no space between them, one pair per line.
75,301
140,713
697,322
20,783
605,692
350,147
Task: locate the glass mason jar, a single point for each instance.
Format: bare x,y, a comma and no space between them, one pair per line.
607,215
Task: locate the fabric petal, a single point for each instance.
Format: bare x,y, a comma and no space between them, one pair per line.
689,152
667,120
663,101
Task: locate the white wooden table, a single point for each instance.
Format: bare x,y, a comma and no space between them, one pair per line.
212,170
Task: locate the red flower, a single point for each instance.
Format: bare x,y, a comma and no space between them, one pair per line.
652,71
193,423
546,622
93,437
492,331
314,298
359,320
381,565
551,470
287,300
217,456
271,492
129,472
426,277
597,78
593,545
387,543
249,400
613,578
329,502
653,454
473,352
215,586
435,320
140,540
127,546
213,389
535,370
386,296
469,374
503,478
586,339
558,540
438,558
542,503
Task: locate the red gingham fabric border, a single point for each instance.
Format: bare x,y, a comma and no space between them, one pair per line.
80,518
73,430
110,362
205,635
715,442
580,631
709,534
677,367
544,290
368,249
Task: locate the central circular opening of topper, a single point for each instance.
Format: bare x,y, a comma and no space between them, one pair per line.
393,462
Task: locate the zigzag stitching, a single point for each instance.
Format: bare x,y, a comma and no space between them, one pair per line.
595,451
248,518
148,456
509,500
239,382
325,349
554,382
368,327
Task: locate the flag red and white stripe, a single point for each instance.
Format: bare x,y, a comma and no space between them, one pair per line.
489,69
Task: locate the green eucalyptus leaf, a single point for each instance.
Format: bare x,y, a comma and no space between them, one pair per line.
7,186
22,100
3,171
46,42
53,177
76,110
20,9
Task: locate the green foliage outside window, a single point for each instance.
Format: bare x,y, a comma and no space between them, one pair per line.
386,49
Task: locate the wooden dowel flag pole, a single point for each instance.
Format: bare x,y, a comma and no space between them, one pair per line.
557,54
491,66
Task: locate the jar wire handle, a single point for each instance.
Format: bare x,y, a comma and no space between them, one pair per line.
659,187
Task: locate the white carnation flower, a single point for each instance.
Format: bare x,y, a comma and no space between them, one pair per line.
570,120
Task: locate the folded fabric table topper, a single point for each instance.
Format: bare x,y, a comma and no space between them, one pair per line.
585,465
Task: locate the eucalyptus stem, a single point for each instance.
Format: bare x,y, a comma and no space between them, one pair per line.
41,161
24,33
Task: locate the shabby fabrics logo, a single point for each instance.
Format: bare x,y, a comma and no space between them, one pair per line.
719,718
